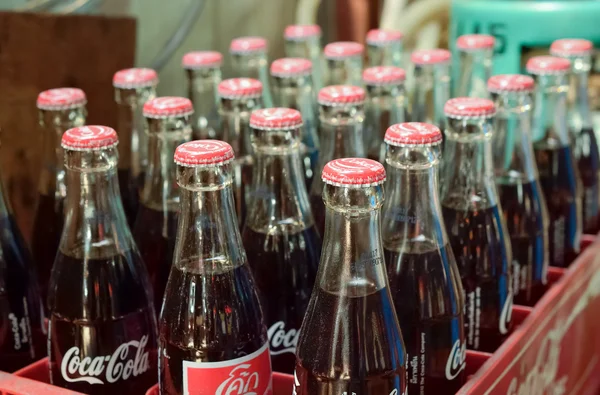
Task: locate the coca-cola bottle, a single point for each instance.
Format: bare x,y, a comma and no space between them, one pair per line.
304,41
281,241
385,106
432,86
59,109
585,145
212,335
293,88
203,71
384,48
424,280
556,163
168,121
350,340
102,333
238,97
341,114
473,217
249,60
344,63
519,189
475,55
133,87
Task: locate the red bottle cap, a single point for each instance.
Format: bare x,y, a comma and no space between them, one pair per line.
383,37
543,65
471,42
61,99
357,172
413,133
300,32
291,67
467,107
430,56
240,88
571,47
89,138
343,50
203,153
244,45
510,83
383,75
201,60
337,95
137,77
168,106
275,118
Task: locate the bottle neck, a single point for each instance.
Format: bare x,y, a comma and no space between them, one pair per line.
202,91
341,133
475,70
345,71
385,55
254,66
386,105
235,123
580,112
308,49
550,111
432,91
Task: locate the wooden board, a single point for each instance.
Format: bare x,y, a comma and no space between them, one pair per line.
43,51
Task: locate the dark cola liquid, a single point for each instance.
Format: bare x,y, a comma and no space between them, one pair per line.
102,326
154,233
558,178
479,247
129,194
209,317
349,345
318,210
429,306
284,267
47,229
588,162
22,338
523,213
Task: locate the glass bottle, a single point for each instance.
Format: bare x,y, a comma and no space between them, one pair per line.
168,125
556,163
304,41
473,217
585,145
281,241
203,71
238,97
249,60
344,63
385,106
432,86
213,339
133,87
384,48
519,189
59,109
475,63
102,330
350,341
293,88
341,115
424,280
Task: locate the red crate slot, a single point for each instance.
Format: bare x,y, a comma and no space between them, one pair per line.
475,360
519,314
11,384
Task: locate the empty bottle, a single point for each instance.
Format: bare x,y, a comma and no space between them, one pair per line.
585,145
133,88
293,88
168,124
304,41
424,280
519,189
102,332
556,163
341,115
476,53
476,228
281,241
385,106
212,335
344,63
203,70
384,48
350,341
249,60
59,110
432,86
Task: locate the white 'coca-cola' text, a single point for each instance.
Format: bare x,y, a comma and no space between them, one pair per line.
281,341
456,360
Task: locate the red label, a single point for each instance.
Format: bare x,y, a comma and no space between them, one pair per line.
249,375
